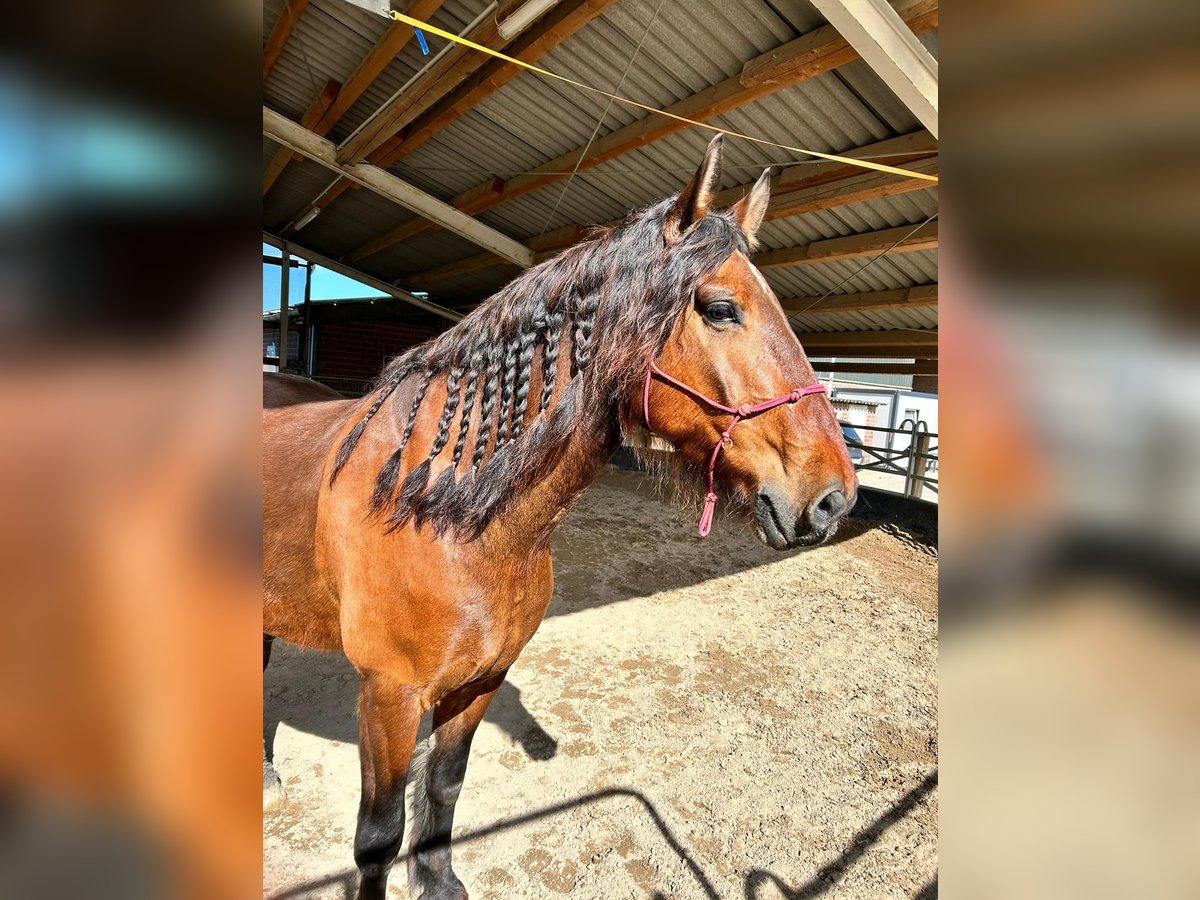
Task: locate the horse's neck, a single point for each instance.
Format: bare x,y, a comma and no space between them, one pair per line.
531,520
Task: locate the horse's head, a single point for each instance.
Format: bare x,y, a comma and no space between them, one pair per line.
732,344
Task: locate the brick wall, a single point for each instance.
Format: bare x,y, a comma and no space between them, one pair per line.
925,384
349,355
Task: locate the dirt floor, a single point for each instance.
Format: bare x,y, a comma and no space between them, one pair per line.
693,719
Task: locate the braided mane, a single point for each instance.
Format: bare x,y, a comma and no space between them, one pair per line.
613,299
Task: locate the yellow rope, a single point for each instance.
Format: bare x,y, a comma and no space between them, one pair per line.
862,163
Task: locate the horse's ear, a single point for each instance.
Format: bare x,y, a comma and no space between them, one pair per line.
694,200
749,211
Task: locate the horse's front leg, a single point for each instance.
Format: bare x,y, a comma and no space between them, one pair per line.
388,716
455,718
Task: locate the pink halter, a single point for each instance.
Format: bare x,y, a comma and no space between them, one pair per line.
745,411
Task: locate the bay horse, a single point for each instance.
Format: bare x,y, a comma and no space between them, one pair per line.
410,529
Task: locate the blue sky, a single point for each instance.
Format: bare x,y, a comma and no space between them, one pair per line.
326,285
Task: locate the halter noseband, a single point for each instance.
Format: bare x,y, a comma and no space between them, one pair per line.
745,411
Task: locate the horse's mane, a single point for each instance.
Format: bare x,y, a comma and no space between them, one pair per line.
609,302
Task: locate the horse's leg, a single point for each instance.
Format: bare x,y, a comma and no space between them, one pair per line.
388,715
455,718
272,787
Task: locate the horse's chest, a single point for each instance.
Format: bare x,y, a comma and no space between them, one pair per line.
512,612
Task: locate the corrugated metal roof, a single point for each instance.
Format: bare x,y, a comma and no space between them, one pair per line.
531,120
868,320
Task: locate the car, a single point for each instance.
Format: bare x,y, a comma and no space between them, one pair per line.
850,434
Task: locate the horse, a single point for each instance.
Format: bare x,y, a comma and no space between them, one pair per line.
410,529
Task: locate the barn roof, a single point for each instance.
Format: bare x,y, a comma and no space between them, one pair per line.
345,73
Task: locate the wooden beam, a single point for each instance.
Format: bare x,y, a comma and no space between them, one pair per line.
891,49
468,202
358,275
853,246
824,48
906,150
852,189
379,57
901,342
280,33
445,72
559,24
327,110
385,184
312,120
567,18
923,337
925,295
544,246
709,103
917,367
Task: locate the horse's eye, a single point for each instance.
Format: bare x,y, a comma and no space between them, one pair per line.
720,312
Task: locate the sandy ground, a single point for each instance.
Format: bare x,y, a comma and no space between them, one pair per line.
693,719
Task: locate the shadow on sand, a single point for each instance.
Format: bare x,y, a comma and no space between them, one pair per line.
822,881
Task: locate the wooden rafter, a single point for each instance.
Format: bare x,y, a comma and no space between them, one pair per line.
319,150
918,343
717,100
905,298
831,193
892,50
568,17
445,73
904,238
280,32
916,367
544,246
326,111
313,119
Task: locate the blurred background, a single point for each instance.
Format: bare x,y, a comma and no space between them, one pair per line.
129,540
1069,671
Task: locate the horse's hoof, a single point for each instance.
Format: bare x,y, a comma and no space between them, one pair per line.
273,792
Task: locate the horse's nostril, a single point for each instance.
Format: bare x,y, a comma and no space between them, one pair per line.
827,509
833,504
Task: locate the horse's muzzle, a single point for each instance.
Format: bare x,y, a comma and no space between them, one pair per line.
780,528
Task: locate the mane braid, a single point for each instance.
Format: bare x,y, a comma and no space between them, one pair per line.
614,298
385,483
506,391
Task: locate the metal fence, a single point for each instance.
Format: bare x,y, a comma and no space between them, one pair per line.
916,462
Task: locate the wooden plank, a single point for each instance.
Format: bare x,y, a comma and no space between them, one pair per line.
891,49
280,32
312,119
917,367
925,295
825,48
852,247
567,18
387,185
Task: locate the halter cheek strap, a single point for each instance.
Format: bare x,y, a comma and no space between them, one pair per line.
745,411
